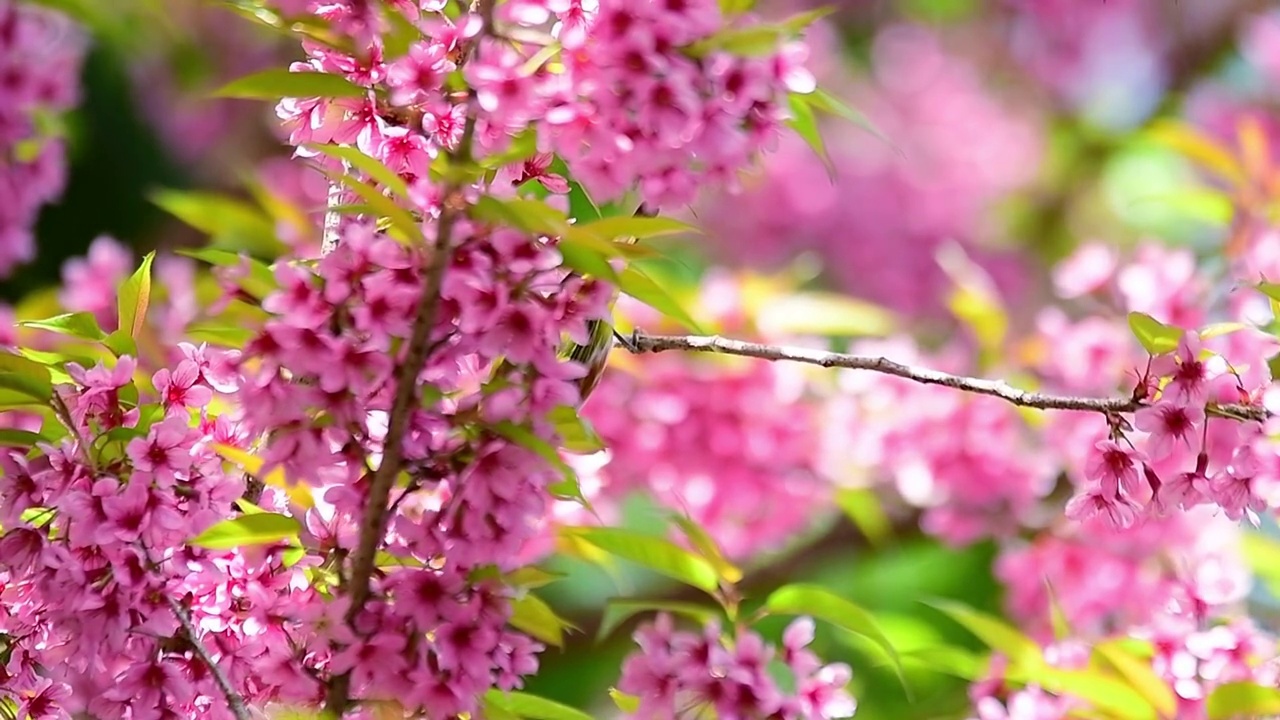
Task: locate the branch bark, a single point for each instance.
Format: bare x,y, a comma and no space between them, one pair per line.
644,343
374,526
234,700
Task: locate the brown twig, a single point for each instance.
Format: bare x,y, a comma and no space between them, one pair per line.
374,526
234,700
642,343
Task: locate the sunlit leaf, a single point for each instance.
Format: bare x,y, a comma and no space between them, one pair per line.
626,703
531,706
822,313
864,510
635,282
707,548
230,223
77,324
256,529
26,377
370,166
260,281
803,599
531,615
826,102
409,230
1199,148
1156,337
531,577
805,124
657,554
298,493
576,434
134,298
1113,696
1141,677
612,228
276,83
997,634
1242,700
619,610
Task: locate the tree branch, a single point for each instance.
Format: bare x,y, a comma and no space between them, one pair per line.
234,700
374,527
642,343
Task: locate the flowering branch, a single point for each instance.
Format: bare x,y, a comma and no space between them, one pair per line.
234,701
639,343
374,527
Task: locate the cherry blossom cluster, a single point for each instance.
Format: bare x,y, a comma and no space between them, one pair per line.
677,672
321,392
95,546
643,97
40,55
947,150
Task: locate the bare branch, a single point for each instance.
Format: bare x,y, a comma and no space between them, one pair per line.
642,343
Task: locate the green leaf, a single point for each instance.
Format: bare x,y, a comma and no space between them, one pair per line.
1138,673
1112,696
20,438
531,577
1021,650
134,297
278,83
707,548
800,21
588,256
639,227
531,615
803,599
260,282
753,41
806,126
629,704
576,434
230,223
619,610
635,282
121,344
657,554
522,147
825,314
372,167
864,510
531,706
257,529
1156,337
1242,700
948,660
1219,329
385,207
826,102
25,377
531,216
77,324
1270,289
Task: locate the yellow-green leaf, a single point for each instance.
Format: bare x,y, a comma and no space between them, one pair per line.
26,377
707,548
1021,650
1199,148
1140,676
256,529
230,223
370,166
299,494
804,599
77,324
619,610
826,314
657,554
531,706
635,282
1156,337
531,615
278,83
134,298
1242,700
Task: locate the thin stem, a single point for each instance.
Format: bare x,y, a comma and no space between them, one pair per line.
374,527
234,700
642,343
